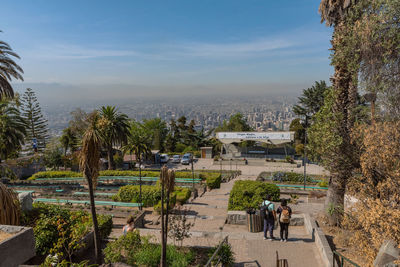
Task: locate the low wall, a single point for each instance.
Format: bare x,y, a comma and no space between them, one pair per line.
139,220
320,240
240,218
17,249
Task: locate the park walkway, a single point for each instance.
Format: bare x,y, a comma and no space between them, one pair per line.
209,213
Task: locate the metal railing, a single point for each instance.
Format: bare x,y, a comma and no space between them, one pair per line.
281,262
215,254
341,260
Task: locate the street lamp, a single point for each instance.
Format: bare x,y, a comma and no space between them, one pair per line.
305,151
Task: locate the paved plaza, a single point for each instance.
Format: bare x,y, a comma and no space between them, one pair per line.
209,213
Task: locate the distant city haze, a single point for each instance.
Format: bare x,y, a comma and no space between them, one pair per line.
91,51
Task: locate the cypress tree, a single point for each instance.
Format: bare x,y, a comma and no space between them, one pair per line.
35,123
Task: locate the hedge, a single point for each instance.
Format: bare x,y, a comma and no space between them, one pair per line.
55,174
250,194
151,195
213,180
62,174
285,177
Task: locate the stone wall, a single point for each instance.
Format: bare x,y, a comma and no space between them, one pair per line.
17,249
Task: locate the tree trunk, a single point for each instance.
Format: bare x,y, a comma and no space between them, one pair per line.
111,165
140,181
97,238
344,82
334,203
163,251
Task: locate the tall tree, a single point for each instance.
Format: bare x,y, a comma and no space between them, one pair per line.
68,140
236,123
8,70
159,131
90,166
139,143
115,131
35,123
312,99
12,129
345,60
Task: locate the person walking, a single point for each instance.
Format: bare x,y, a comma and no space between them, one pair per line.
269,215
285,213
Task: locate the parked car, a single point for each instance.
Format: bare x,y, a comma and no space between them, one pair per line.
164,158
186,159
176,159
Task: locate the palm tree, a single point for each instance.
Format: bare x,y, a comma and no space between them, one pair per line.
333,12
8,70
115,131
12,130
68,140
139,142
89,164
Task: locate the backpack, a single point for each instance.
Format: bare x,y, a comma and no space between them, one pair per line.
285,215
265,212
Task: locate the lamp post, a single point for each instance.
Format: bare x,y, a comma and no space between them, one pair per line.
191,160
305,152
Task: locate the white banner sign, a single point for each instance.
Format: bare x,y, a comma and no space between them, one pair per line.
255,135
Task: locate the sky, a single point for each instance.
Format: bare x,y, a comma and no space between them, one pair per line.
175,47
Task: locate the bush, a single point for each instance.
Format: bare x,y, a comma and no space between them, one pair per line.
291,177
50,222
182,195
172,202
250,194
55,174
289,159
213,180
180,147
225,254
323,183
130,193
136,251
105,225
197,154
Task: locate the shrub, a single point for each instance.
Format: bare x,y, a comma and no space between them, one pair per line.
105,225
130,193
250,194
225,255
289,159
180,147
290,177
55,174
138,251
197,154
182,195
323,183
213,180
172,202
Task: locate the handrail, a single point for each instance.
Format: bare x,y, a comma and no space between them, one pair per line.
225,240
342,259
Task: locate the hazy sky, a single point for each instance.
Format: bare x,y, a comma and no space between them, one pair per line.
167,47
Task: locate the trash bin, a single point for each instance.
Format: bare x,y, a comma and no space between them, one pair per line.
254,221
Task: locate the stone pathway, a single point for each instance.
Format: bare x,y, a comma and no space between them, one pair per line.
210,212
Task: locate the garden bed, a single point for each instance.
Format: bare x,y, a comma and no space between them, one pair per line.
17,245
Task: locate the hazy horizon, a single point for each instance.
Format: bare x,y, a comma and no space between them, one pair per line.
90,51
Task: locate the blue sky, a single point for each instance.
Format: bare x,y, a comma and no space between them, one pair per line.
183,44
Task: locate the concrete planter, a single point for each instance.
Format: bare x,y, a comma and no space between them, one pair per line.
18,248
240,218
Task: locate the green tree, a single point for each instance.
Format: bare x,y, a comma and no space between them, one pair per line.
312,99
12,129
297,127
8,70
90,166
68,140
53,154
139,143
35,123
115,130
345,59
159,131
236,123
79,122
